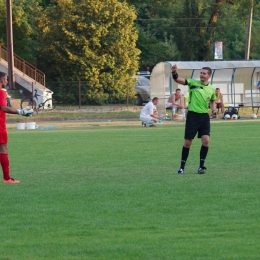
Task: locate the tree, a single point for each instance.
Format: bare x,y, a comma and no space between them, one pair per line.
92,41
193,26
2,23
207,24
23,15
155,37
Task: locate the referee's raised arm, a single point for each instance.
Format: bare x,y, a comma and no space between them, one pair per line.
176,77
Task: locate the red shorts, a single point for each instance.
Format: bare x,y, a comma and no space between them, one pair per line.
3,138
219,105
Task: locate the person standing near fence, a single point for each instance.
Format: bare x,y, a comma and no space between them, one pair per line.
198,121
4,159
219,101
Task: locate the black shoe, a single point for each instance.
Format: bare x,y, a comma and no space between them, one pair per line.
153,125
143,124
202,170
180,171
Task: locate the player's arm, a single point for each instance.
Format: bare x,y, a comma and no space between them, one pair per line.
181,100
9,110
24,112
155,112
154,115
213,108
176,77
213,105
221,98
173,100
170,99
3,106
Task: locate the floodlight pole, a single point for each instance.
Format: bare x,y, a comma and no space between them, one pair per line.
10,51
249,29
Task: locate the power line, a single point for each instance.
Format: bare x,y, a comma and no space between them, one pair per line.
159,19
178,18
193,27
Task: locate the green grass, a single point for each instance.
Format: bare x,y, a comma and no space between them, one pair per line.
112,192
74,115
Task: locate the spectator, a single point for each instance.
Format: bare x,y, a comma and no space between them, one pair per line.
219,101
4,159
149,114
175,102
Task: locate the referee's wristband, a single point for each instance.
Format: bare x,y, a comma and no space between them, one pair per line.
175,75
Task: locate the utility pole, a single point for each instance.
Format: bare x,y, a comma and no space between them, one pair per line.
249,29
10,51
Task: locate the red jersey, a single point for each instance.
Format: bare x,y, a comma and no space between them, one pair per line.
2,113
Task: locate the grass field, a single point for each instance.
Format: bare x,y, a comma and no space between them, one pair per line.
112,192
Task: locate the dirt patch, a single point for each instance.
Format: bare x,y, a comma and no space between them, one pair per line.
91,113
54,125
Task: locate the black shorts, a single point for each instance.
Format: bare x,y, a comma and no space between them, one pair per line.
197,123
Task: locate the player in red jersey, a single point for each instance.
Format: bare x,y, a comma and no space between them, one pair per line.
4,160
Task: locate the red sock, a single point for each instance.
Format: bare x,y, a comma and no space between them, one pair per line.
4,161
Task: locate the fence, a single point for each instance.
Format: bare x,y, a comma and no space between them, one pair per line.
24,66
80,93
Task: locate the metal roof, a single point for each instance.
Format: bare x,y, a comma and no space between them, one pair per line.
216,65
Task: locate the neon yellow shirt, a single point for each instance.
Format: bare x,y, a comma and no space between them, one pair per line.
218,97
199,96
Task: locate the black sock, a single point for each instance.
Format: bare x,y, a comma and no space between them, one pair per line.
203,155
184,156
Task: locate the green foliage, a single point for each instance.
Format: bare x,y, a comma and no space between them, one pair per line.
105,42
194,26
155,50
3,22
255,47
190,30
156,37
234,38
23,16
93,41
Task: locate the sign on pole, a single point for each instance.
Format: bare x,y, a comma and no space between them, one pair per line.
218,51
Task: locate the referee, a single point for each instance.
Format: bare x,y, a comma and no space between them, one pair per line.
198,121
